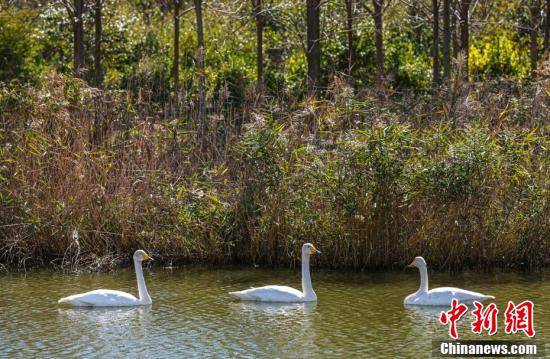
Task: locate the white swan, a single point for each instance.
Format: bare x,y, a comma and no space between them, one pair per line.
277,293
114,298
439,296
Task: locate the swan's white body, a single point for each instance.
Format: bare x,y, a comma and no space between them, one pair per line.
278,293
114,298
439,296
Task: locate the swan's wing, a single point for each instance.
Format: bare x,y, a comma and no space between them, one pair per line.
270,293
101,298
444,295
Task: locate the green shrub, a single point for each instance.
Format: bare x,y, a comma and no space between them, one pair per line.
18,49
498,55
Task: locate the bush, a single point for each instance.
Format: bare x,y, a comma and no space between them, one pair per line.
498,56
18,50
85,179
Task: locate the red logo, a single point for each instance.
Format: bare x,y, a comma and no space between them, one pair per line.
453,316
520,317
517,318
485,319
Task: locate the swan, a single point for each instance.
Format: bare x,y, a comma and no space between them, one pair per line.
114,298
277,293
439,296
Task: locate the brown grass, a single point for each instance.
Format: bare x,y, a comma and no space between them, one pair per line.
88,176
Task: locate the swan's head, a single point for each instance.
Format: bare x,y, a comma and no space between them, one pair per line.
418,262
309,248
141,256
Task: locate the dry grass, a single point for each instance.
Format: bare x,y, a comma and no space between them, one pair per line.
87,177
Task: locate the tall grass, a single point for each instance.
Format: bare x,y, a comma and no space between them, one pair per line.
87,176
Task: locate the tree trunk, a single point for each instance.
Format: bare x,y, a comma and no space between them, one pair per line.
464,36
435,44
257,6
200,37
351,45
417,25
98,71
201,69
547,28
533,32
446,39
454,30
176,59
78,39
378,14
313,46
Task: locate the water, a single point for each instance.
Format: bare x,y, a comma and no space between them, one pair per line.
357,314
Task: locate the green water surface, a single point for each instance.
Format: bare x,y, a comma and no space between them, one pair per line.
357,314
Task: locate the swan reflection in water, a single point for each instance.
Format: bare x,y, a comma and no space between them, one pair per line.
278,309
425,319
424,326
105,324
293,324
424,312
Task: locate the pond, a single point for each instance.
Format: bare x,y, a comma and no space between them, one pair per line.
357,314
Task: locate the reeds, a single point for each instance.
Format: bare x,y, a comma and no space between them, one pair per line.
88,176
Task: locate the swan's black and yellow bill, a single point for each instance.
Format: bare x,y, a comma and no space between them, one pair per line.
315,250
411,265
146,257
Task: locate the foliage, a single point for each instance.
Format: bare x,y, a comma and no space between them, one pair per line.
372,176
371,187
498,56
19,60
137,46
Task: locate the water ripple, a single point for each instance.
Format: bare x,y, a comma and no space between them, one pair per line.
192,315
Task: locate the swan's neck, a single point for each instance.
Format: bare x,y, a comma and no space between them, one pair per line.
144,297
307,289
423,279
